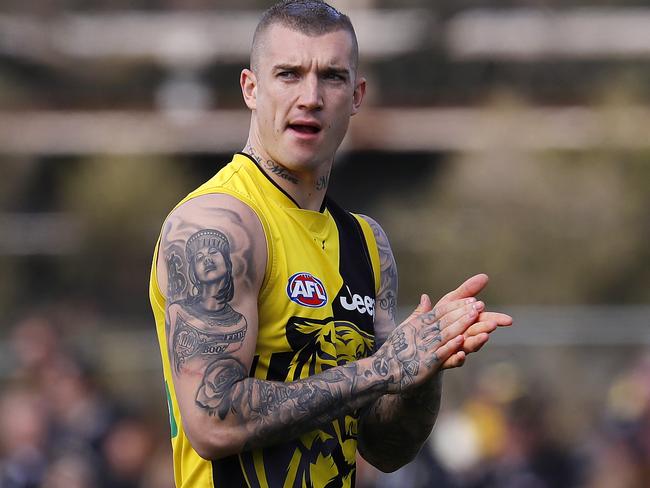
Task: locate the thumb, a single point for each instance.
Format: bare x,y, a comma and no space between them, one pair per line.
471,287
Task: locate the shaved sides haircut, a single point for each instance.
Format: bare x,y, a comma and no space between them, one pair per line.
310,17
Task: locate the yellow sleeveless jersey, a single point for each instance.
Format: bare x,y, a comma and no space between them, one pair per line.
316,311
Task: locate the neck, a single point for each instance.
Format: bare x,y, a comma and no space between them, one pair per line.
306,187
208,297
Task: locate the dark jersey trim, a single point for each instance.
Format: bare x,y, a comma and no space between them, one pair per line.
340,214
322,207
227,472
366,251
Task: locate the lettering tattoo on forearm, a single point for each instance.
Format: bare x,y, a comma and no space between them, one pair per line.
272,166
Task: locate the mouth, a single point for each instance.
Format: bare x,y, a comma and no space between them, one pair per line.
305,127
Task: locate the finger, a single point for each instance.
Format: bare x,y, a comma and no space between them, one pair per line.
475,343
429,342
448,319
433,315
453,305
480,328
445,351
458,327
455,361
501,319
471,287
423,307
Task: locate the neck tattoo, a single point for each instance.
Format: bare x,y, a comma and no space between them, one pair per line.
272,166
321,182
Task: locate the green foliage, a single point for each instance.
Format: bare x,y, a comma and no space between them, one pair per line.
552,228
122,203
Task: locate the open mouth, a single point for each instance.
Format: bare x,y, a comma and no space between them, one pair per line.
304,128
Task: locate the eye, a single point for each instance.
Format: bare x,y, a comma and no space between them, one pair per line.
199,256
213,250
287,75
335,76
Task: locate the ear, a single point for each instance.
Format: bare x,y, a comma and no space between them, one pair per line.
359,92
248,83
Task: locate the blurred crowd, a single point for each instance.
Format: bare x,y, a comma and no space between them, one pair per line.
503,436
63,428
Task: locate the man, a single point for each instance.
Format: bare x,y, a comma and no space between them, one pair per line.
277,325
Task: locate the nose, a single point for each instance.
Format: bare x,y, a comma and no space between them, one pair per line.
310,93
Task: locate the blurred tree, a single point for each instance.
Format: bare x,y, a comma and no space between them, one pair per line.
122,203
549,228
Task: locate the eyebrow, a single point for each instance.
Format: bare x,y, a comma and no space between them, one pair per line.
337,70
285,66
296,67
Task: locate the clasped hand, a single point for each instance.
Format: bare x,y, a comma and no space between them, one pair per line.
435,338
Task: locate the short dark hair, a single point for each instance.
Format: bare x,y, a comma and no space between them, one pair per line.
310,17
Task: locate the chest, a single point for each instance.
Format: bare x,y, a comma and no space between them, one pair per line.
317,309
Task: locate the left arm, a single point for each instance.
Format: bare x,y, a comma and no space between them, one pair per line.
395,426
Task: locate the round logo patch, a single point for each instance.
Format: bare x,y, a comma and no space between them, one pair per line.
306,290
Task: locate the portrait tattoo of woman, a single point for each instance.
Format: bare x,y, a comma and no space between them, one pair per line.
205,323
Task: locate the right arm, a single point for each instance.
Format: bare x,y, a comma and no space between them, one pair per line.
211,328
393,428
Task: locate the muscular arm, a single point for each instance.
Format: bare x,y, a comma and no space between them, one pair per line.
393,428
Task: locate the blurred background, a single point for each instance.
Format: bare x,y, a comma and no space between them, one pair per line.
505,137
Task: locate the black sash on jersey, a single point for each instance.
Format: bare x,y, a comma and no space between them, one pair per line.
355,268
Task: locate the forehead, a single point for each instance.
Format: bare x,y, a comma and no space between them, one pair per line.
283,45
207,245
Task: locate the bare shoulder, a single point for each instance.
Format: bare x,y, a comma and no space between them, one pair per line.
387,295
377,230
209,223
383,245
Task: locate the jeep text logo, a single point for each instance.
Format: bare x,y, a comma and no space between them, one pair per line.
307,290
359,303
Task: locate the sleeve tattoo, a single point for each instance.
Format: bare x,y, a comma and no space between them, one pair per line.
387,296
275,411
393,427
205,332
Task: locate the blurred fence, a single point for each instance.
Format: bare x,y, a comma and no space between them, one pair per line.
429,129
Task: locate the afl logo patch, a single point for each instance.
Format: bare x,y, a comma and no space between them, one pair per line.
306,290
